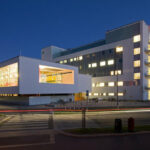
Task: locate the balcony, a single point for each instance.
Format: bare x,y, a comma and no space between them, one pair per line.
147,88
147,75
147,51
147,63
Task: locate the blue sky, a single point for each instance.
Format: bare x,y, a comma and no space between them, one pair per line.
29,25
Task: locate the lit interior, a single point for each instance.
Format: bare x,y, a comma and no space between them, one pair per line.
9,75
55,75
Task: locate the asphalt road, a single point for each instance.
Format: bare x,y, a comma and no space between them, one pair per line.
30,131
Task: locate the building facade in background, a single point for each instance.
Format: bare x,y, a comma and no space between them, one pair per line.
119,64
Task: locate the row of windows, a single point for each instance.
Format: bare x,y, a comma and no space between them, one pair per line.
8,94
106,94
110,84
72,59
102,63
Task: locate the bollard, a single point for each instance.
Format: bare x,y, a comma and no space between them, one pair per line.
131,124
83,118
118,125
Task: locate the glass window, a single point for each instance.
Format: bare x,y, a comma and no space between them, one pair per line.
136,76
102,63
95,94
117,72
111,73
104,94
119,49
75,59
93,84
111,83
71,60
111,94
120,83
89,65
102,84
61,62
9,75
80,57
110,62
94,65
48,74
137,63
65,61
136,38
120,94
136,51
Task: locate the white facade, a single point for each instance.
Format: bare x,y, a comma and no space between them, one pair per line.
140,88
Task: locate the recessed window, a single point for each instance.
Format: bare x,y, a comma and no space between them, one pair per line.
120,83
94,65
136,51
136,38
93,84
102,84
95,94
102,63
80,57
119,49
71,60
111,94
137,63
111,83
75,59
65,61
117,72
50,74
110,62
120,94
111,73
89,66
104,94
136,76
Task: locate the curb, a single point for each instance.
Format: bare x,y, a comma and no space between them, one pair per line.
100,135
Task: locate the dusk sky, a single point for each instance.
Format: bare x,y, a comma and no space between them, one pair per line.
30,25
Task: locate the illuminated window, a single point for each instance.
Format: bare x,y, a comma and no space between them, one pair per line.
111,73
148,46
89,65
104,94
111,94
120,94
65,61
136,38
61,62
93,84
102,84
136,76
102,63
71,60
119,49
95,94
9,75
48,74
120,83
137,63
94,65
90,94
117,72
136,51
111,83
75,59
80,57
110,62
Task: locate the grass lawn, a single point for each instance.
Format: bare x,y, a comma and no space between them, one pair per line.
105,130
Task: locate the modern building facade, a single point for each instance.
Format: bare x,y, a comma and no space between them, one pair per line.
119,64
40,81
